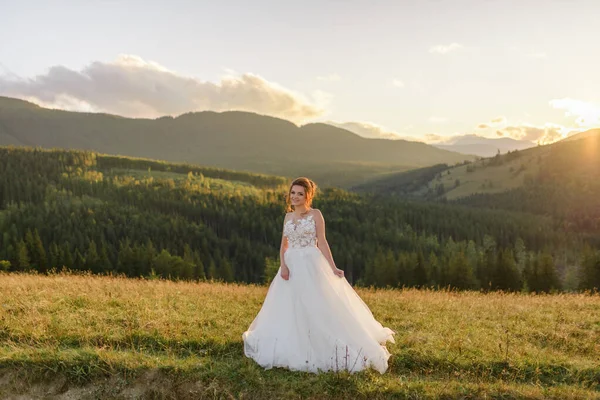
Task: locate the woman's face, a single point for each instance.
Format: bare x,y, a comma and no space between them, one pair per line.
297,195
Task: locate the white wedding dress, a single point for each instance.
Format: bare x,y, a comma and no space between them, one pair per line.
314,321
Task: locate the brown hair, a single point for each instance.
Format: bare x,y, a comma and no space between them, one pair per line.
310,189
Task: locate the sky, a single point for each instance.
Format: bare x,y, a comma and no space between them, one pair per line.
425,70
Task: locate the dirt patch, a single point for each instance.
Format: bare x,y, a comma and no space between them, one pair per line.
151,384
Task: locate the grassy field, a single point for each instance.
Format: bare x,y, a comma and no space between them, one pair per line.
199,182
66,336
481,178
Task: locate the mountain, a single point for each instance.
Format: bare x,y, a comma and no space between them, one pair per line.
559,179
368,130
583,135
235,140
484,147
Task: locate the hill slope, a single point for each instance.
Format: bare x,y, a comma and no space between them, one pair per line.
141,217
234,140
560,179
583,135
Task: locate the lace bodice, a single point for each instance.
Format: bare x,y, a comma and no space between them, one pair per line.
302,233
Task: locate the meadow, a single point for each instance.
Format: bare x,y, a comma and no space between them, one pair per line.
69,335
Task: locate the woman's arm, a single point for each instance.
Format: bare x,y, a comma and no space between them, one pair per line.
322,241
285,272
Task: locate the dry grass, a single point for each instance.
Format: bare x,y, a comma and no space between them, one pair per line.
490,178
112,337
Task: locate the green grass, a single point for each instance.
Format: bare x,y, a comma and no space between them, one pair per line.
194,182
489,178
111,337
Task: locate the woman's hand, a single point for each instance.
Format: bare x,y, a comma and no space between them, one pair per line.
338,272
285,272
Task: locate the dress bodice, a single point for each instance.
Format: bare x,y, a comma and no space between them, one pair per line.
302,233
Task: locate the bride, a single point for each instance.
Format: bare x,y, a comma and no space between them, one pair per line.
311,318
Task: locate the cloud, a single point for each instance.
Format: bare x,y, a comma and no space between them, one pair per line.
370,130
438,120
435,138
500,127
134,87
65,102
545,134
587,114
230,73
398,83
322,99
445,49
501,120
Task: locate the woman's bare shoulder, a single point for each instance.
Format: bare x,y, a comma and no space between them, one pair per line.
316,213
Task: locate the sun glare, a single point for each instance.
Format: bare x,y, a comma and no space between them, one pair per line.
593,148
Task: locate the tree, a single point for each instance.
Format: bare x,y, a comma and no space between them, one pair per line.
487,264
434,266
226,271
368,277
66,256
271,269
105,264
79,261
162,264
506,276
520,254
212,270
125,259
185,269
421,271
22,256
544,277
439,189
54,256
4,265
461,273
92,259
199,267
589,277
385,269
189,268
36,250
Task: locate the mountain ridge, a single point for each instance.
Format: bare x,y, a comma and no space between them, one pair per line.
484,147
231,139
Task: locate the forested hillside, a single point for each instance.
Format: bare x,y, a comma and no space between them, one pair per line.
565,184
140,217
558,180
233,140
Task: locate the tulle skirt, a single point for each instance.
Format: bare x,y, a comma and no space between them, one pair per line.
315,321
